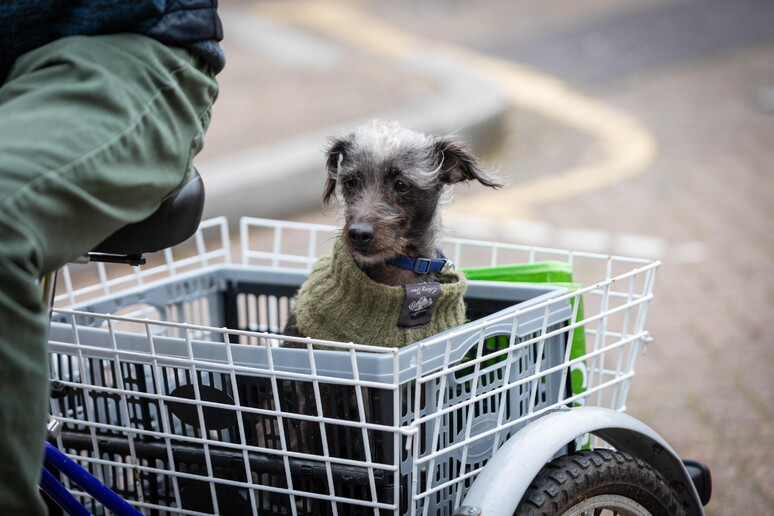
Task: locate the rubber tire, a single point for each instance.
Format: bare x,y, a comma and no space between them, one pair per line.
573,478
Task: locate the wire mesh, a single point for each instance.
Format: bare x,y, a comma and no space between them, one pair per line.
182,398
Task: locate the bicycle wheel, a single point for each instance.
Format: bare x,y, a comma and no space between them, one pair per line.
599,482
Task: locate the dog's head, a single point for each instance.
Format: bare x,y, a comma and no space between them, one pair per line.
390,180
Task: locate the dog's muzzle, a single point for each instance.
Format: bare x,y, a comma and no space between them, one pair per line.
361,236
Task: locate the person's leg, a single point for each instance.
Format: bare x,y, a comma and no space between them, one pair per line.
94,133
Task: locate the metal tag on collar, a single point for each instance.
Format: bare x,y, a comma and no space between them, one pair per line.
448,266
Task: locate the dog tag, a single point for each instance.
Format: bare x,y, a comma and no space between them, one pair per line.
418,307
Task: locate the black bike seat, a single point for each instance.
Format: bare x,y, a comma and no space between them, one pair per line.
176,219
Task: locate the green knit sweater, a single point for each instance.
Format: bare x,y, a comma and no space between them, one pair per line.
339,302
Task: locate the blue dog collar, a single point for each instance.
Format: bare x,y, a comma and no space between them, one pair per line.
423,265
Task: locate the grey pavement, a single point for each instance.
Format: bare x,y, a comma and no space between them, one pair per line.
705,201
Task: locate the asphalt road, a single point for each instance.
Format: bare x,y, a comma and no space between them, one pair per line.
637,42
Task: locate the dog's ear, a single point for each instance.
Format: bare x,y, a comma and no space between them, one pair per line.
456,163
335,154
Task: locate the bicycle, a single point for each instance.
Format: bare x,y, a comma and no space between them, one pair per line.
176,219
198,410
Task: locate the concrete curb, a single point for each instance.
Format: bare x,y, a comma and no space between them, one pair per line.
281,179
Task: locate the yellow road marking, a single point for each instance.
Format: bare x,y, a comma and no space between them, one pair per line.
626,146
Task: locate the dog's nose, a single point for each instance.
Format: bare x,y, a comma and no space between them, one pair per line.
361,235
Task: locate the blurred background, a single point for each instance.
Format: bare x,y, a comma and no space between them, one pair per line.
642,128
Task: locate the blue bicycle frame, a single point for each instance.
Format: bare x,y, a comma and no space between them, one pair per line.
83,479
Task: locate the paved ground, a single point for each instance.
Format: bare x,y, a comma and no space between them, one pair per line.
706,382
710,183
678,141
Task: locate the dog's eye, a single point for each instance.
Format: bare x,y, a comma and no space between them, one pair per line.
350,183
402,186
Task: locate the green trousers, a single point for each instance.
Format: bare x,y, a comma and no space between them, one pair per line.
94,133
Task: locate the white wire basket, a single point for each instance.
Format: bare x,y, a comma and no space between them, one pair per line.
182,399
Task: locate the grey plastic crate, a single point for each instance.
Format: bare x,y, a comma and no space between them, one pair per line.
115,371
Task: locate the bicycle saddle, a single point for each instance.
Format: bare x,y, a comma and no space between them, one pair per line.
176,219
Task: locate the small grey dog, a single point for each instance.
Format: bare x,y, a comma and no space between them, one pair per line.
391,181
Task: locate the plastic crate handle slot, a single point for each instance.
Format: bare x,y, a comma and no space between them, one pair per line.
552,273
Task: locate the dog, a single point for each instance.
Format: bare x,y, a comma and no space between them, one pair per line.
391,182
386,283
